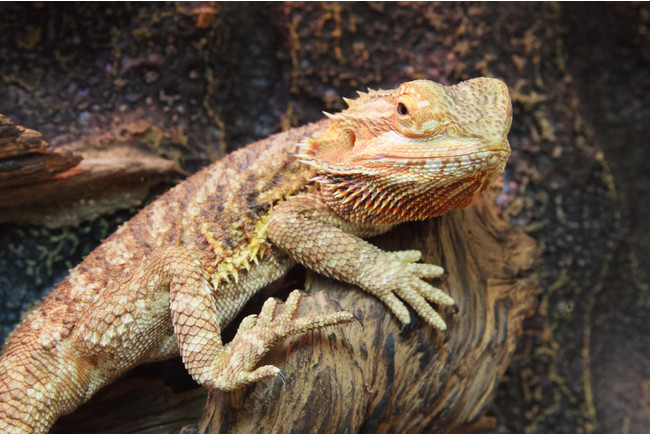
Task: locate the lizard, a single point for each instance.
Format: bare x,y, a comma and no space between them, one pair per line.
171,278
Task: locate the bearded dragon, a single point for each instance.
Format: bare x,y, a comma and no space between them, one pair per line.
169,280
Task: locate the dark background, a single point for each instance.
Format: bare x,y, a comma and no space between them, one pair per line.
227,74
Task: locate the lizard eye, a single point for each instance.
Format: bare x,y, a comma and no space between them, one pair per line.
408,115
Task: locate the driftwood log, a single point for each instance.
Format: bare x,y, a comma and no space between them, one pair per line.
371,376
56,186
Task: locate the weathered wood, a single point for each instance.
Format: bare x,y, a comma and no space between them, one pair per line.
57,186
135,405
375,377
26,158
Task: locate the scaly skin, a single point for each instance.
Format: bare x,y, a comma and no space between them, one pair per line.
172,277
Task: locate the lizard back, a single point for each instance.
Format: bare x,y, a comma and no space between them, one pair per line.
219,212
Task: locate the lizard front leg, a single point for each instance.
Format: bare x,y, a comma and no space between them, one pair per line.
174,284
316,237
195,314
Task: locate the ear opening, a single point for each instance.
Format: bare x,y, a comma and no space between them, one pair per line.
351,139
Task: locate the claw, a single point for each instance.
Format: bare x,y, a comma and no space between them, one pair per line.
357,319
260,333
284,380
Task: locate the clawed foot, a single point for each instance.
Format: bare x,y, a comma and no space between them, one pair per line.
257,334
396,277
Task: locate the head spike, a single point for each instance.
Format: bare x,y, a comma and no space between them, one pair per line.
339,117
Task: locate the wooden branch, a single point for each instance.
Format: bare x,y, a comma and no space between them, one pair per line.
374,377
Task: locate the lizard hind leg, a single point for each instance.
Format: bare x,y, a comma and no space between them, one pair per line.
231,366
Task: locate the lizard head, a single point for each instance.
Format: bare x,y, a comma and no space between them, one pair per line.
414,152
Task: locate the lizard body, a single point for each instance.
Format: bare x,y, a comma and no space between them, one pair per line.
177,273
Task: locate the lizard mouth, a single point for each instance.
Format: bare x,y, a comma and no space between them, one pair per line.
485,159
394,148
